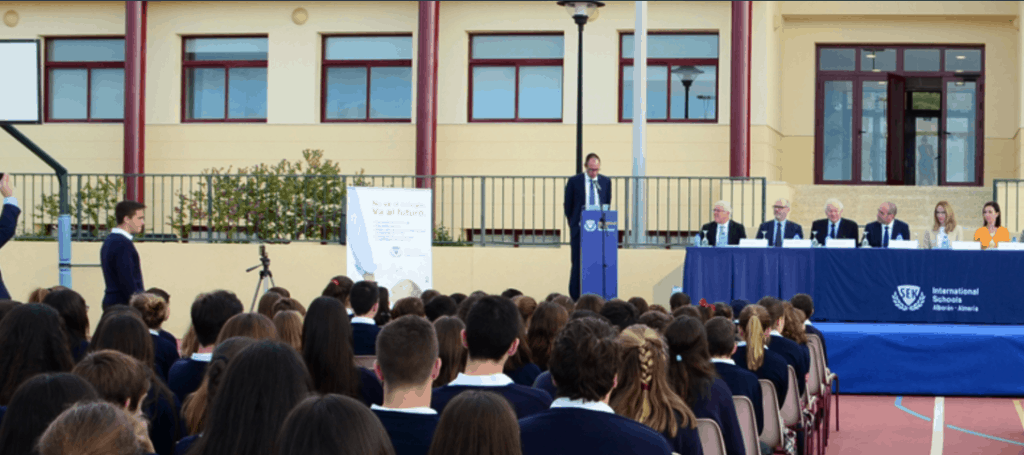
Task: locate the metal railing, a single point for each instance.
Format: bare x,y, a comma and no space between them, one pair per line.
468,210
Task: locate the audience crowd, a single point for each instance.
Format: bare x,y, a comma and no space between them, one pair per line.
353,373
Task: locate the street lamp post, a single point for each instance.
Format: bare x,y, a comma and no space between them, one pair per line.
581,13
687,74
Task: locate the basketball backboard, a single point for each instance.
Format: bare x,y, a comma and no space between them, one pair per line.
20,83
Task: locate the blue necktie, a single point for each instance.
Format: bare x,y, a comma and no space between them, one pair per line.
593,193
775,236
885,238
722,239
833,234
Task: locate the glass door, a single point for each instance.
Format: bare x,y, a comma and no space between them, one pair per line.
957,162
926,150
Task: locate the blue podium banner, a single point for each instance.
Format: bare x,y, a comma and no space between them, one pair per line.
599,253
867,285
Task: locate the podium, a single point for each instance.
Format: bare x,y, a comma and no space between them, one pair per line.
599,253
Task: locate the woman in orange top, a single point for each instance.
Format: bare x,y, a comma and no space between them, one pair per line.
991,233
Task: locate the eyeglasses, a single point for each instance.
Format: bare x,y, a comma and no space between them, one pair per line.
720,211
779,207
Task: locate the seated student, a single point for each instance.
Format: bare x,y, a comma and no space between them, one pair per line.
805,303
693,377
251,325
117,377
620,313
491,335
644,394
795,355
721,345
754,328
545,323
197,405
209,313
450,349
338,288
520,366
35,404
167,298
289,328
441,305
72,309
678,299
88,428
584,363
407,364
794,327
31,342
331,425
477,422
363,300
155,311
327,350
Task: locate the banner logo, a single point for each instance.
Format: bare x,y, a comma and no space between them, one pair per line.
590,225
396,251
908,297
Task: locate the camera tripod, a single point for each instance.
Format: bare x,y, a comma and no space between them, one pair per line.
266,277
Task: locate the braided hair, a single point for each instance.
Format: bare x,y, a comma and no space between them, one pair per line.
643,393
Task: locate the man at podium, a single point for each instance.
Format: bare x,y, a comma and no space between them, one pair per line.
588,188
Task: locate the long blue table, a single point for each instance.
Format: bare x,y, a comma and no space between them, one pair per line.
867,285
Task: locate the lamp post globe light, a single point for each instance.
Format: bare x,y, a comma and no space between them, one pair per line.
687,74
581,13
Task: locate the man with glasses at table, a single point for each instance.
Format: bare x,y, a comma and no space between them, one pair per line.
723,230
780,228
834,226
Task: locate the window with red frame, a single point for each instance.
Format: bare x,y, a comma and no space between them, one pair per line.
516,78
367,79
682,77
224,79
85,80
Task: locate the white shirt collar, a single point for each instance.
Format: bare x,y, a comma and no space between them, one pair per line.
362,320
494,380
350,312
154,332
889,226
421,411
202,357
744,343
122,232
775,333
11,201
729,361
598,406
808,322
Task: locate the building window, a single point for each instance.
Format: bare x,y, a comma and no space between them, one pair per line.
899,115
224,79
366,79
85,80
516,78
682,77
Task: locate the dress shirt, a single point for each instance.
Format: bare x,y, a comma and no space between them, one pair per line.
122,232
420,410
592,185
598,406
493,380
11,200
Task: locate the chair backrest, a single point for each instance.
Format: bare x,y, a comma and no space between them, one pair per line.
748,423
815,341
790,409
771,434
816,374
365,361
710,437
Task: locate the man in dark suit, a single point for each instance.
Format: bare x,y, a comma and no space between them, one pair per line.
834,226
119,260
723,227
589,188
887,228
779,228
8,221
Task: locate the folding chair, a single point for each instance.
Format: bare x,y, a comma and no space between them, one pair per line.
748,424
793,407
816,393
710,437
365,361
771,434
827,378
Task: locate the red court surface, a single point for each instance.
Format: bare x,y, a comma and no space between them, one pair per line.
890,425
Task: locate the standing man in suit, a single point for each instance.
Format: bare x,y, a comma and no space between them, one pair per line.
122,270
887,228
588,188
834,226
723,231
779,228
8,221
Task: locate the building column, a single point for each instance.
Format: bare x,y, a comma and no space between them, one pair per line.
426,91
739,118
134,97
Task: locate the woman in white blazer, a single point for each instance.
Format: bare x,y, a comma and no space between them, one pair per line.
945,224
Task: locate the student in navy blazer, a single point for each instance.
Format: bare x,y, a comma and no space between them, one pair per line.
407,364
589,188
491,336
8,221
722,214
779,228
795,355
363,300
887,223
122,270
584,361
754,328
209,313
834,225
721,346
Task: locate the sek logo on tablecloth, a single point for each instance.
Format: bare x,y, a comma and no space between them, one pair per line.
908,297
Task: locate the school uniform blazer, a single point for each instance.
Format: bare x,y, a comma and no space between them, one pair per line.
411,434
560,431
874,232
165,354
525,375
576,197
736,232
716,404
122,271
795,355
773,368
370,387
847,229
364,338
164,426
185,376
686,440
543,382
743,382
790,231
526,401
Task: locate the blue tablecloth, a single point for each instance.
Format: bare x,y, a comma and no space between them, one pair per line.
867,285
926,359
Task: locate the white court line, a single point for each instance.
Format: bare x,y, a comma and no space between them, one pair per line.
937,425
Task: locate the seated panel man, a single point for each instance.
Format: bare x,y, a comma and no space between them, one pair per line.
834,225
887,228
723,231
779,228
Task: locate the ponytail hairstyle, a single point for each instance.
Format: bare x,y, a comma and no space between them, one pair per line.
643,393
690,370
775,309
338,287
753,321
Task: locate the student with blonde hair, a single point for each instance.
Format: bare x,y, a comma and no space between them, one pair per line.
96,428
289,328
755,329
644,394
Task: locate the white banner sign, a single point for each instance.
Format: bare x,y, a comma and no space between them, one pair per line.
389,239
